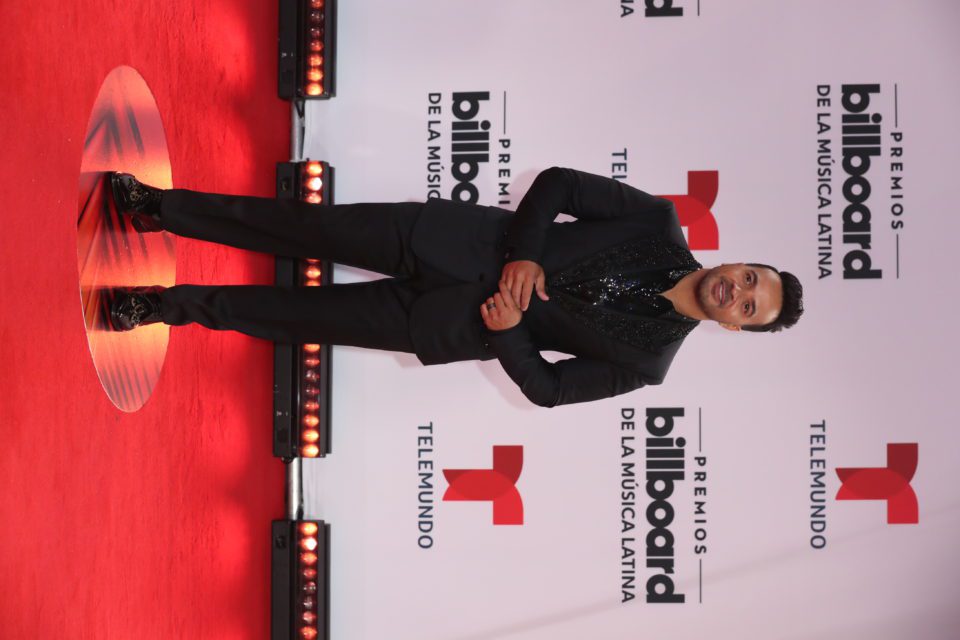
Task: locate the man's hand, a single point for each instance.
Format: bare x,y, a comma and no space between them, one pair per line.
499,311
521,277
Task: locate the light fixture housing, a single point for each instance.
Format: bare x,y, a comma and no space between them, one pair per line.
302,373
300,580
308,42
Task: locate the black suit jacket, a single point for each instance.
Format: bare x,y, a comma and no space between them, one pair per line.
471,243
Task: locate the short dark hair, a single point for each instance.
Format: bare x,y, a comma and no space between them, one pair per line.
792,307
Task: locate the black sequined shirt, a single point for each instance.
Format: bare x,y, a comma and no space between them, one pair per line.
617,292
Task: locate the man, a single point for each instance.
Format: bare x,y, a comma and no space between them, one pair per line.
617,288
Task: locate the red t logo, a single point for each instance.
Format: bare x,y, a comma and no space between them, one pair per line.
496,485
890,483
693,209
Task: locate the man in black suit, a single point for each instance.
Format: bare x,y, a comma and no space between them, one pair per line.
618,288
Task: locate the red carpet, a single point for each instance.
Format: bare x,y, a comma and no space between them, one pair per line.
153,524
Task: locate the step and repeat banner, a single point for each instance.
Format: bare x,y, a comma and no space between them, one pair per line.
793,485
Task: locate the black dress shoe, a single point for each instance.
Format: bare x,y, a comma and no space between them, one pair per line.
139,201
134,307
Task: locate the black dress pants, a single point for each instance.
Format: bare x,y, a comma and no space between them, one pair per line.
375,237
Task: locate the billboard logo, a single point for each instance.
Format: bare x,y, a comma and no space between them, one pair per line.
853,126
653,8
861,142
693,209
497,485
890,483
470,144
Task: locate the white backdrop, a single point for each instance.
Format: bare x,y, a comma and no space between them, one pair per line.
732,90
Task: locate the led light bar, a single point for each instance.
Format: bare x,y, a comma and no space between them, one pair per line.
300,580
302,372
307,49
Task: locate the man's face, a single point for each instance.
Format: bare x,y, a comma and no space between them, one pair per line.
736,295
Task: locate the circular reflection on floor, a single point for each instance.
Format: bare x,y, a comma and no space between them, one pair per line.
124,134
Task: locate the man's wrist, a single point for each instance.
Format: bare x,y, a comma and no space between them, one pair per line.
496,332
514,254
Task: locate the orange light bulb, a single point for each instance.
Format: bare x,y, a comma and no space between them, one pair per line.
309,529
312,272
310,435
308,544
308,558
310,450
314,89
311,348
315,184
310,421
310,405
308,633
313,198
